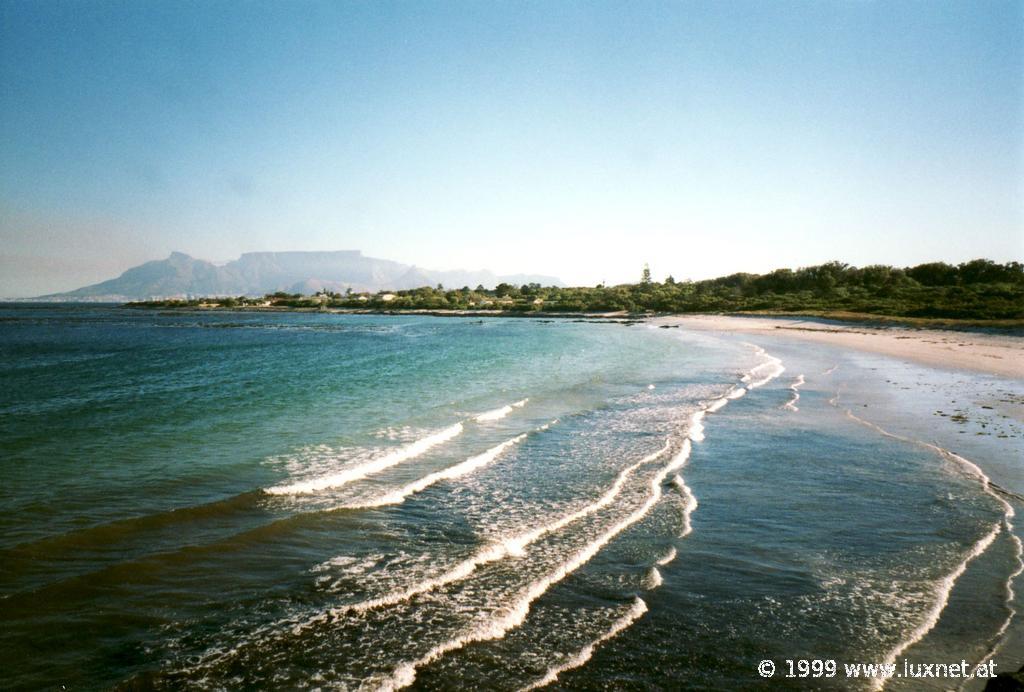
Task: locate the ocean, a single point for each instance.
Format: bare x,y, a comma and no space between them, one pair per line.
220,500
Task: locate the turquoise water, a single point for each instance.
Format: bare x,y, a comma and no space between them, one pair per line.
314,500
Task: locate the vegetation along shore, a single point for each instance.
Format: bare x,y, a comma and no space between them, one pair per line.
976,293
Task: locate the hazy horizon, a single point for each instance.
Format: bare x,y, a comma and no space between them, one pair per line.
629,280
574,140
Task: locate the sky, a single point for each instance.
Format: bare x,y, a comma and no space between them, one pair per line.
579,140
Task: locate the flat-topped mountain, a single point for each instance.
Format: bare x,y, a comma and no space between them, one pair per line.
259,273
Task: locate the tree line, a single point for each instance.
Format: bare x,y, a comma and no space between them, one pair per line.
980,290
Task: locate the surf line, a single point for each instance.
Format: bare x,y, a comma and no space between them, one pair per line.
500,413
764,373
654,578
690,505
635,612
398,456
474,463
468,466
999,638
772,367
944,587
668,557
514,545
511,546
795,396
512,617
942,591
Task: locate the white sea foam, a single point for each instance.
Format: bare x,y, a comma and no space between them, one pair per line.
944,586
1000,636
349,565
716,404
510,546
513,616
513,546
499,413
696,428
517,543
765,372
580,658
734,392
690,505
654,579
830,370
468,466
972,468
795,396
942,589
1008,515
404,453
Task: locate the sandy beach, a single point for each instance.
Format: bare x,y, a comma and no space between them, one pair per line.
989,353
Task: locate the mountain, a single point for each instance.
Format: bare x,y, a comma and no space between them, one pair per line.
259,273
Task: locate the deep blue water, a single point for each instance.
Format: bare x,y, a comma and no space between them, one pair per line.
226,500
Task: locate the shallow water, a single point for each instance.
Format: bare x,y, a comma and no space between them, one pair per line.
303,500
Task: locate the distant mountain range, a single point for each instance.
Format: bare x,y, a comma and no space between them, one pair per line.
259,273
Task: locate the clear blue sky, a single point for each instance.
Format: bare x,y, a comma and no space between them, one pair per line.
574,139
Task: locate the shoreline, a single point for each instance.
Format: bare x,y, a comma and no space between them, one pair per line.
1013,327
969,348
993,354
